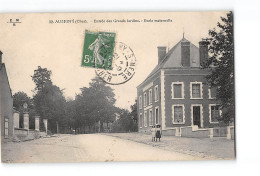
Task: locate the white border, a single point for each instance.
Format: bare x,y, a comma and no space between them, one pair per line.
162,100
182,90
248,153
183,114
201,90
157,107
210,97
140,102
156,98
150,99
150,118
201,114
145,119
210,105
140,126
145,99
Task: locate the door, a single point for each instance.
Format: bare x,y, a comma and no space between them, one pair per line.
196,115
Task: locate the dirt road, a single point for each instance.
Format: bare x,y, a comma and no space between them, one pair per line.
85,148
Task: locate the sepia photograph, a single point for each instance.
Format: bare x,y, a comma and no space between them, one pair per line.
117,87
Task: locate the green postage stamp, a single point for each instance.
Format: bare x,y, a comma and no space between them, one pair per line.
98,49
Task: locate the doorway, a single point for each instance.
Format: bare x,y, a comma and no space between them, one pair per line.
196,116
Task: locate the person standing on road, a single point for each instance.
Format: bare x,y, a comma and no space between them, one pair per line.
153,133
158,132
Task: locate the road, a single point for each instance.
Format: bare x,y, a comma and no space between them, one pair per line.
85,148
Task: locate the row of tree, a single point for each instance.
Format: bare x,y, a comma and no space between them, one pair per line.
93,105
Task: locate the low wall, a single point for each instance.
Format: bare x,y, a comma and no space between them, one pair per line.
144,130
169,132
232,132
200,133
220,132
24,134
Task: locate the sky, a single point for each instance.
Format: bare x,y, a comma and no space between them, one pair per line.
58,47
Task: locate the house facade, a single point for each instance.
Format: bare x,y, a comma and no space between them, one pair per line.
175,96
6,103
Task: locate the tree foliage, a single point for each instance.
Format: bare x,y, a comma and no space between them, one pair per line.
95,104
221,64
19,99
92,107
49,100
42,78
127,121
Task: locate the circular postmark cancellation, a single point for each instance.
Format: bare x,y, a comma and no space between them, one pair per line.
123,68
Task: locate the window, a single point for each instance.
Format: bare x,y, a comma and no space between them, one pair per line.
212,92
177,90
6,127
141,120
150,97
150,117
178,114
140,102
215,113
145,100
156,95
145,118
196,90
157,115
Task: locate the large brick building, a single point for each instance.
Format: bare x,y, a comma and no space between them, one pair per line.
6,103
175,95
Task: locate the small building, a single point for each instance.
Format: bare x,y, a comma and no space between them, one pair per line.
175,96
6,103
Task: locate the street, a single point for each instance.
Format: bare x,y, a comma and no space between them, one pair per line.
86,148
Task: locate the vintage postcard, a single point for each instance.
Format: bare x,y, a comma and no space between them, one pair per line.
108,87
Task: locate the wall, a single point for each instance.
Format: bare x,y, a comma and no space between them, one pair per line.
6,101
187,132
186,76
155,79
23,134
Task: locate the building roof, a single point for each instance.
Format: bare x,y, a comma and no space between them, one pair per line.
3,71
173,58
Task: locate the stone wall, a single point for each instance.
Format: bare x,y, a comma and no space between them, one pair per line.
200,133
24,134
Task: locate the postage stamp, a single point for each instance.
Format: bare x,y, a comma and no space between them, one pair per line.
123,66
98,50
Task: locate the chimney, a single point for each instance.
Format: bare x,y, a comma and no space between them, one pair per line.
1,57
203,47
161,53
185,54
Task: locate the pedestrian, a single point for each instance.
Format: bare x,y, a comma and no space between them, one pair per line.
158,132
153,133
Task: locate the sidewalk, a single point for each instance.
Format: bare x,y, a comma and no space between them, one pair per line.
217,148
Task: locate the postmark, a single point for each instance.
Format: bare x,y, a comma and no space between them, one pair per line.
123,66
98,50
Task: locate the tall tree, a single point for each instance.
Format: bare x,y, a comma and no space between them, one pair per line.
49,100
221,64
95,104
42,78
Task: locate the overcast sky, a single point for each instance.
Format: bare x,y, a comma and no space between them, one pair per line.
58,47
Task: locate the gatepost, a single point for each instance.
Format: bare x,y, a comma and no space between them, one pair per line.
45,122
25,117
37,123
26,120
16,119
